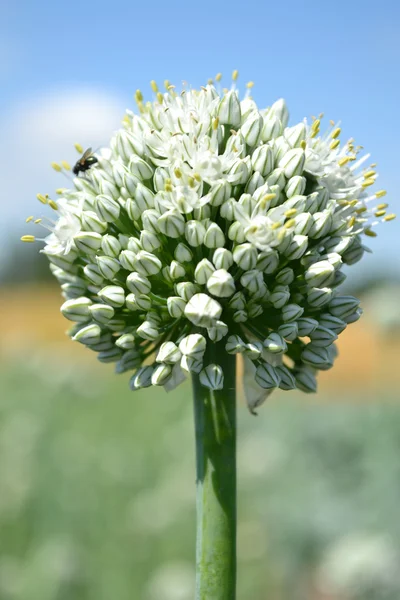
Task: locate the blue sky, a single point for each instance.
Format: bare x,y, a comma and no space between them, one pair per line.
68,70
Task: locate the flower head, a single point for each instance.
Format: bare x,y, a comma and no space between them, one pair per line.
211,221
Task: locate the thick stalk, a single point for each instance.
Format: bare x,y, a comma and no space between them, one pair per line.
215,423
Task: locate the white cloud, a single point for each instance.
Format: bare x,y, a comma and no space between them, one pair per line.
34,134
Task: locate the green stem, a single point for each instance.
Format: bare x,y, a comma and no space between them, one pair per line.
215,423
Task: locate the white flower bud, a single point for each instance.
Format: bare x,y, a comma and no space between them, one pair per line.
138,302
138,284
110,245
235,345
238,301
322,223
212,377
91,222
271,129
295,135
289,331
203,271
252,127
314,356
354,253
312,203
239,172
333,323
306,325
74,289
176,306
218,331
227,210
150,220
262,160
253,282
267,376
193,345
319,274
147,263
323,337
183,254
240,316
92,273
150,241
101,313
161,374
144,198
245,256
343,306
254,183
236,233
267,261
201,213
297,247
275,343
113,295
292,162
107,208
291,312
338,244
295,186
168,353
77,309
126,341
130,360
228,110
106,343
109,356
222,259
220,192
287,380
117,325
187,289
195,233
353,317
88,335
214,237
172,223
87,242
221,284
279,296
303,223
176,270
280,110
285,276
202,310
139,168
142,378
108,266
305,380
147,331
254,310
317,297
254,350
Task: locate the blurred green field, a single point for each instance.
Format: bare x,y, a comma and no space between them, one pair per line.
97,491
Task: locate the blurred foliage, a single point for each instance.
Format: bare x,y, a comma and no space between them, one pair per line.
97,493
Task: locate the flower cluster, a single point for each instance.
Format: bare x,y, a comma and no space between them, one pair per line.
211,221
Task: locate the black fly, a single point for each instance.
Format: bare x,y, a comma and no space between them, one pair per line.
86,161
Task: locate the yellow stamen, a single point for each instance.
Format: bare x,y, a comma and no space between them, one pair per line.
290,223
218,77
382,206
126,120
191,182
28,238
41,198
53,205
160,97
138,96
178,173
210,81
275,225
268,197
343,161
316,124
66,165
225,90
343,202
168,187
353,202
369,232
314,133
361,210
56,166
368,182
303,144
380,213
60,191
171,87
197,177
380,193
369,174
332,123
166,83
333,145
215,123
154,86
373,165
28,219
78,148
351,221
249,85
235,75
37,221
290,213
389,217
335,133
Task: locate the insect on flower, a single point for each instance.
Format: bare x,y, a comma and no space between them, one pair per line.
86,161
